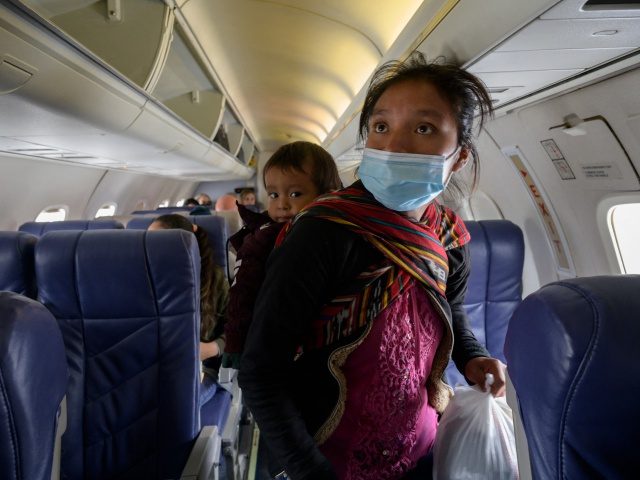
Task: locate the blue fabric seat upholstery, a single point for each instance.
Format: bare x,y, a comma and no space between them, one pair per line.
40,228
16,263
33,380
495,285
574,361
127,303
215,227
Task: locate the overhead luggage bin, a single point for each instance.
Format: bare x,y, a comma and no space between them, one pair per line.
131,37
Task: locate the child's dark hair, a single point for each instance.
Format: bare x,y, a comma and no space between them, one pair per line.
465,92
324,172
208,305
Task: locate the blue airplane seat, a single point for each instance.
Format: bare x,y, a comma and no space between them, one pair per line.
495,285
40,228
33,381
572,348
127,304
16,263
215,227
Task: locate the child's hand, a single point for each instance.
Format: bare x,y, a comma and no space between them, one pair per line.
476,369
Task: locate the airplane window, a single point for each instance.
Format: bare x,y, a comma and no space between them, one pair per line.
164,203
625,233
52,214
180,202
106,210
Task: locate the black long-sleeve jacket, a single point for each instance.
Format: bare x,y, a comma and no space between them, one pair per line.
293,399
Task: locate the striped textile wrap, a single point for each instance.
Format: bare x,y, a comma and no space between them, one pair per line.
413,251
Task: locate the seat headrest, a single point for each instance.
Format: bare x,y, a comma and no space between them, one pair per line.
17,257
572,351
215,227
116,273
33,372
40,228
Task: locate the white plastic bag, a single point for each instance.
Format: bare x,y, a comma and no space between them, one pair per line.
475,438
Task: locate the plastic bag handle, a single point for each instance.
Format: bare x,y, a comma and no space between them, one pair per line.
488,381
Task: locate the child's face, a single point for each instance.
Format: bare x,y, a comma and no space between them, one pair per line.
288,191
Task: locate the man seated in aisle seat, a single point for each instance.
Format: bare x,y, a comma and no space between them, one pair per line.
226,202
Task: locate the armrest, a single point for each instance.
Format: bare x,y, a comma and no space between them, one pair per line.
61,427
204,457
226,376
522,446
230,430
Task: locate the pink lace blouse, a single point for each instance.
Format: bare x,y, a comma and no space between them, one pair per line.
388,423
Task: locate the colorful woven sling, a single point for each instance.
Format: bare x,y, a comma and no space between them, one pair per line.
411,252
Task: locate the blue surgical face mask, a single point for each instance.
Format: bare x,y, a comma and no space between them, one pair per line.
403,181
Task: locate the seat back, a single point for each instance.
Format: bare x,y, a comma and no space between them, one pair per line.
214,226
16,263
574,361
40,228
495,284
127,303
33,380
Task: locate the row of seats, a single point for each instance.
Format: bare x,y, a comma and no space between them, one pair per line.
215,227
571,350
125,305
493,293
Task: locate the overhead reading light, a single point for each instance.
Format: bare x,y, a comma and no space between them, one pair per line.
571,125
604,33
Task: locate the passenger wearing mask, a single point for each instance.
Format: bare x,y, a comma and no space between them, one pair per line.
293,177
362,303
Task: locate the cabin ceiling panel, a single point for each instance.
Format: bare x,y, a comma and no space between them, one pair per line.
564,34
573,9
560,44
546,59
277,58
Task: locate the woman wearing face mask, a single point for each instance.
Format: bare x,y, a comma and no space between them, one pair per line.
361,307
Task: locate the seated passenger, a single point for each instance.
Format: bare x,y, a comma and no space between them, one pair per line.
191,202
293,177
204,199
248,199
226,202
214,292
362,301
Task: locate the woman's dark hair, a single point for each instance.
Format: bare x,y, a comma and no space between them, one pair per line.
324,172
191,202
465,92
209,307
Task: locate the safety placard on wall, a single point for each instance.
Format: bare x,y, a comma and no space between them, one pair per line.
554,233
595,156
561,164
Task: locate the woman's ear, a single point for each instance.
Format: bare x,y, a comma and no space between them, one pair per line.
463,158
195,228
